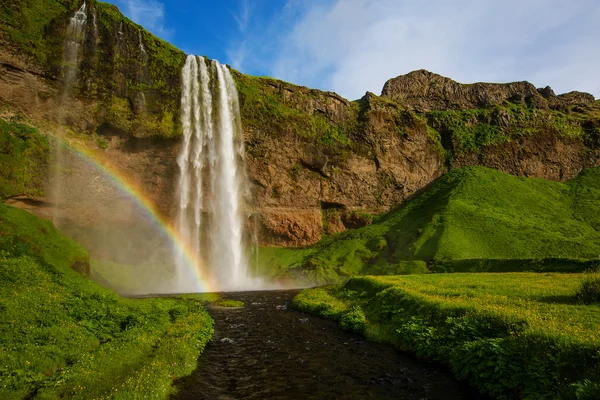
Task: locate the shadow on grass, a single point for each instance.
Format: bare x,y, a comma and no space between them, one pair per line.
572,300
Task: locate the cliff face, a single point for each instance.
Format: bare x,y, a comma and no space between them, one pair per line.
317,162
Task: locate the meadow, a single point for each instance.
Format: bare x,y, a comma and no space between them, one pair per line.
511,335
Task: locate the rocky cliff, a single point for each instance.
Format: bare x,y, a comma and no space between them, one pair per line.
318,163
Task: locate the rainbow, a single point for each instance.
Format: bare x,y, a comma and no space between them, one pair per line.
141,200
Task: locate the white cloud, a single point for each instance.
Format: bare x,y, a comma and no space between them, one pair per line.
351,46
238,48
148,13
243,16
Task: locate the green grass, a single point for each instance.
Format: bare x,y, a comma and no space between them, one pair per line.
512,335
23,234
475,214
202,297
62,335
589,290
277,262
229,303
24,160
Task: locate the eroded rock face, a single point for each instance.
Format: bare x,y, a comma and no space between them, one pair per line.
543,156
313,157
425,91
290,227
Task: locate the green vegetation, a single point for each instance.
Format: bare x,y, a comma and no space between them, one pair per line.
264,106
229,303
283,263
27,24
61,335
565,265
109,72
512,335
24,160
155,75
473,129
589,291
471,219
24,235
202,297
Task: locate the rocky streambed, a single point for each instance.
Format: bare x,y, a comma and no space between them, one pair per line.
265,350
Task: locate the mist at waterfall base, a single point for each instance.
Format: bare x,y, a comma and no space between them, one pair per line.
132,253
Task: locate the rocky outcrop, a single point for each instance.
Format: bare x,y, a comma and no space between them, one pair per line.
425,91
318,163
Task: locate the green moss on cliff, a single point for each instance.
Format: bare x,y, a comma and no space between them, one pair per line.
28,26
139,91
474,129
24,160
113,70
278,108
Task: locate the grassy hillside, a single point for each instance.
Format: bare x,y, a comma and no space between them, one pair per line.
62,335
469,214
24,234
512,335
24,160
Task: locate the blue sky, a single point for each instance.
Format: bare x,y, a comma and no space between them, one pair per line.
354,46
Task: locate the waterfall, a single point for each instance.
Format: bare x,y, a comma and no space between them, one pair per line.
212,189
141,43
75,35
73,39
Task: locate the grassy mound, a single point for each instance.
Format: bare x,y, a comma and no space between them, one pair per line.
24,234
62,335
512,335
472,213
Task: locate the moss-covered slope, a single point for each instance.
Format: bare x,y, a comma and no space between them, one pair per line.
24,160
23,234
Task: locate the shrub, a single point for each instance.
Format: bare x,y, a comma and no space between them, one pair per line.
353,320
411,267
589,290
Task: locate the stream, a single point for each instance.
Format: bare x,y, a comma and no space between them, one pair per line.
266,350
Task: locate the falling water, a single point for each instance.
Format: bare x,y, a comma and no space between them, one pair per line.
141,43
74,37
212,184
